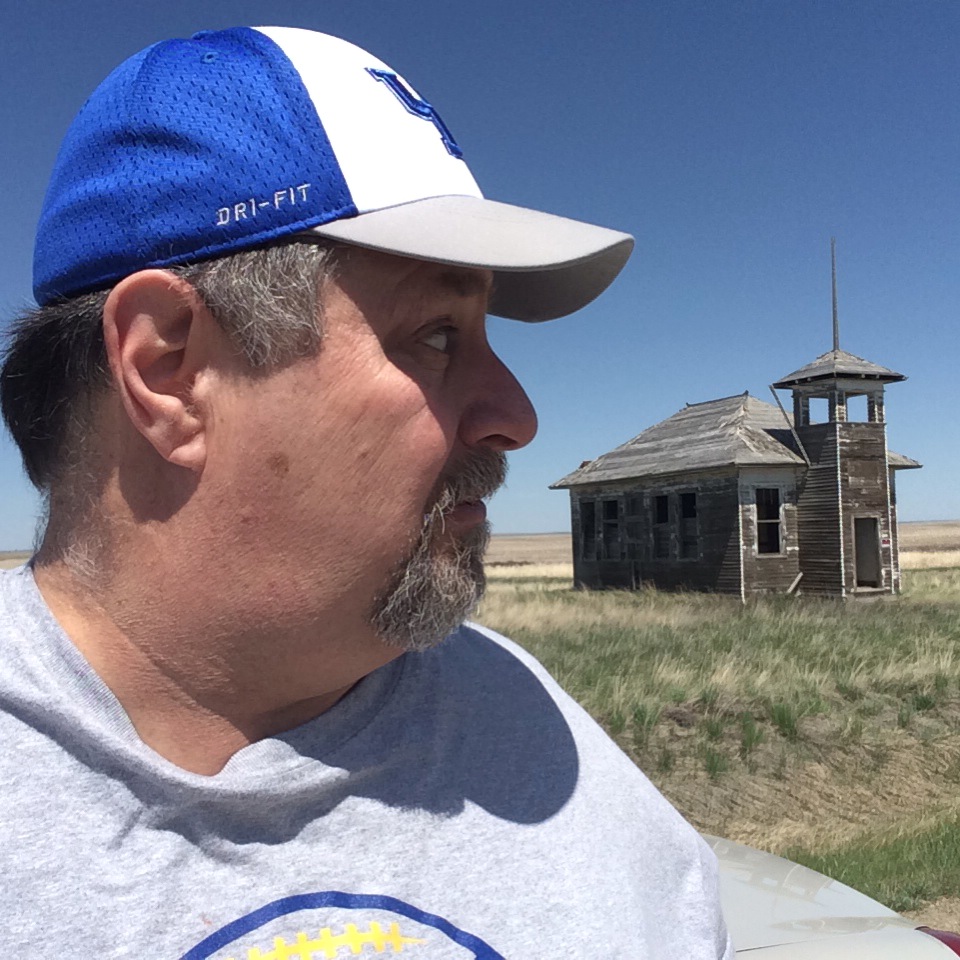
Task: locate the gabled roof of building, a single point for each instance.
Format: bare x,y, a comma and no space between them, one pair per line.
836,364
732,431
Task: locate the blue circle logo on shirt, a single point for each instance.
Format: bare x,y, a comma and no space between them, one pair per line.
382,929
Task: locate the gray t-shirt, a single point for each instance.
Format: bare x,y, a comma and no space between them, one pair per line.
454,804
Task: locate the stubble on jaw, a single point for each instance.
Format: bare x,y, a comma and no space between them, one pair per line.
442,580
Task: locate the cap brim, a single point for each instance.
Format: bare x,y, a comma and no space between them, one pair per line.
544,266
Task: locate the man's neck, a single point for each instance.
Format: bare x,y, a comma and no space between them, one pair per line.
194,694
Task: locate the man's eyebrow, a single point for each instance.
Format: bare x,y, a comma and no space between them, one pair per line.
464,283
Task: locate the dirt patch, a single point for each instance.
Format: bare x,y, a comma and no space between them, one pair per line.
942,914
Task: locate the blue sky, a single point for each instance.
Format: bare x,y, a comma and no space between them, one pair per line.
733,139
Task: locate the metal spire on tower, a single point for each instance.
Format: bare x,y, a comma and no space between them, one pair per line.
833,270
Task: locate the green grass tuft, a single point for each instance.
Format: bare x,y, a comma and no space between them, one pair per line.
923,701
751,736
644,720
616,723
709,697
666,761
905,714
713,727
784,718
715,762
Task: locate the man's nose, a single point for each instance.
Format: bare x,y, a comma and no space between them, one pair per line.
500,415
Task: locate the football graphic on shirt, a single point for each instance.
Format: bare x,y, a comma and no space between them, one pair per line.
323,926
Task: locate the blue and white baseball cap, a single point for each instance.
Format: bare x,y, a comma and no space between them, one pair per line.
194,149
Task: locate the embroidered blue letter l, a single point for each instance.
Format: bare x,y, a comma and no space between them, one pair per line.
418,107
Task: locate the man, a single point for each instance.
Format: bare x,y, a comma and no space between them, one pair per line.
259,399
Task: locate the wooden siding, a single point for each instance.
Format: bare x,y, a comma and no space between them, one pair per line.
864,492
848,480
895,528
630,558
818,512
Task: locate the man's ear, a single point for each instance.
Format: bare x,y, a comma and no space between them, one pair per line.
159,341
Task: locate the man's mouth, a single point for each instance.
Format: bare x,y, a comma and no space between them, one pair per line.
460,501
467,513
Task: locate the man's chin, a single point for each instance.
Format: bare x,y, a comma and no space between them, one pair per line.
434,590
442,579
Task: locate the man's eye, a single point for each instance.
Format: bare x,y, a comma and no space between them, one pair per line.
441,339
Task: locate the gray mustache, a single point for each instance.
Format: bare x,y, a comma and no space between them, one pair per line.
476,478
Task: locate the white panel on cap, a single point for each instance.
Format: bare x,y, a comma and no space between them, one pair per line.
388,155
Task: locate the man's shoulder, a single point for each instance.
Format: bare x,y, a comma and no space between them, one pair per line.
489,642
497,687
488,661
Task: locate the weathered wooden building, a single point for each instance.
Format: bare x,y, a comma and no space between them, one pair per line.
738,496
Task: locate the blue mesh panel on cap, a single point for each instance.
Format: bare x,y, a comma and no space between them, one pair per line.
190,149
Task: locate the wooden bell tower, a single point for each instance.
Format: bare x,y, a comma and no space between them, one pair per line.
846,507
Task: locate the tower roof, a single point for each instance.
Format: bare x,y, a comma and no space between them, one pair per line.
837,365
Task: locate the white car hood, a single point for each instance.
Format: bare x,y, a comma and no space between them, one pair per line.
769,901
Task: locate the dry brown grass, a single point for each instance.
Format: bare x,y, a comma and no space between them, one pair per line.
530,548
528,571
930,536
929,559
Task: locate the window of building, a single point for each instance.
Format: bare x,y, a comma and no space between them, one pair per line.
661,527
689,532
588,529
819,410
768,520
611,530
857,408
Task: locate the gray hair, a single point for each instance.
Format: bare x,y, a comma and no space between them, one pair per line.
55,367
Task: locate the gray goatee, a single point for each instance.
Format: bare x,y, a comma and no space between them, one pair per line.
436,587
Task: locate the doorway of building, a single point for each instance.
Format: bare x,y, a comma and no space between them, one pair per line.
866,532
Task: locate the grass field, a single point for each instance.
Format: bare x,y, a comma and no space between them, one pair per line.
826,731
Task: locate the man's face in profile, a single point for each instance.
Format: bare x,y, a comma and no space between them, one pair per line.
360,472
